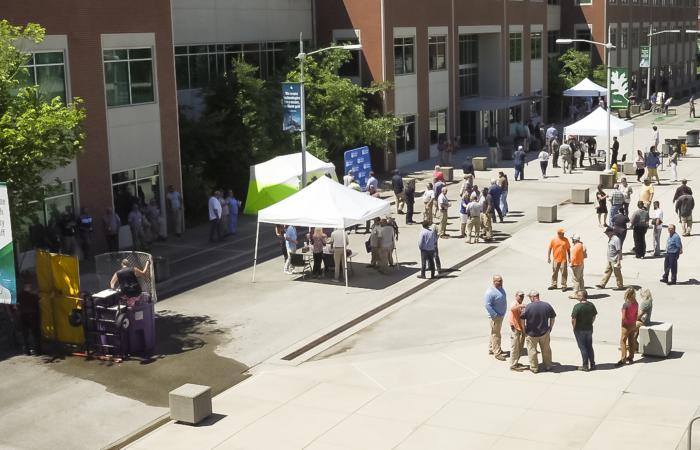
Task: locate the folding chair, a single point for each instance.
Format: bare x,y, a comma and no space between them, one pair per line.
298,260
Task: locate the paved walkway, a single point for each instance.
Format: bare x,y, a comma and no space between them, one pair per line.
416,374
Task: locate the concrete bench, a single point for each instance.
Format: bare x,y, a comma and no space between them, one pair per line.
671,112
190,403
480,163
448,173
580,196
656,340
607,180
547,214
629,168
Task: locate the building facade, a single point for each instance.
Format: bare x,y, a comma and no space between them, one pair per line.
459,69
626,24
117,57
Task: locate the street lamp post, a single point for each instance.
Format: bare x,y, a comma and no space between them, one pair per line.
301,57
608,46
652,33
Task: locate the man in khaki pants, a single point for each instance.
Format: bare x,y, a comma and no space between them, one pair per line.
339,240
614,261
517,331
539,320
559,248
578,254
495,304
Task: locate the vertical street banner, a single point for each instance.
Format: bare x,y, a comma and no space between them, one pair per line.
644,56
291,106
358,160
619,93
8,283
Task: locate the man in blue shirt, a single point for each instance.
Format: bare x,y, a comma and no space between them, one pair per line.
495,192
674,249
519,162
539,320
427,243
652,162
495,303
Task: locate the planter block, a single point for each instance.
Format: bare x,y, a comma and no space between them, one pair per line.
547,214
580,196
479,163
656,340
190,403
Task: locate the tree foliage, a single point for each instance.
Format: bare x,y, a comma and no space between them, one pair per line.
36,134
575,66
338,115
600,75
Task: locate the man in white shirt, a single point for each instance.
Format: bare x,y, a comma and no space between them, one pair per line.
428,199
372,181
655,137
444,205
657,220
215,211
290,242
347,179
386,245
339,242
175,211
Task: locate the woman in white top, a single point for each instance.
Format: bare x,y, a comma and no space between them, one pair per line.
544,161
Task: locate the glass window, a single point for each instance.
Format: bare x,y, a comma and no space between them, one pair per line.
43,231
583,33
438,126
624,36
182,72
47,70
135,186
128,76
613,36
352,67
468,81
552,46
468,49
437,52
536,45
516,47
403,55
406,135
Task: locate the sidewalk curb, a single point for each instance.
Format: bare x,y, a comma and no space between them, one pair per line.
139,433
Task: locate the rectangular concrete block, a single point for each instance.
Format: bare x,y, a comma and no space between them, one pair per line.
607,180
480,162
547,213
628,168
656,340
190,403
448,173
580,196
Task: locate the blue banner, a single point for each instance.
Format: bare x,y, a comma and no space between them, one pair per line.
358,160
291,106
8,283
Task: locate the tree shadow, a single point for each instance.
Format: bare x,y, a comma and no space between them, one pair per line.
365,277
690,282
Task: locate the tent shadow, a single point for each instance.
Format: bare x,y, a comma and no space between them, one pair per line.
368,278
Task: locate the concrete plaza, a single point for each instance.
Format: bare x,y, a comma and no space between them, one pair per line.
416,374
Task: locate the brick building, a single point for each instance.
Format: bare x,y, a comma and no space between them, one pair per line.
117,57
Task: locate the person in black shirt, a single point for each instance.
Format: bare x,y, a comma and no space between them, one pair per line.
30,322
410,194
127,277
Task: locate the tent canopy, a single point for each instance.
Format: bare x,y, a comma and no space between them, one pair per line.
585,88
596,124
278,178
325,203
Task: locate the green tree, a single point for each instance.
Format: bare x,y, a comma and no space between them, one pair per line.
600,75
339,113
575,66
239,126
36,134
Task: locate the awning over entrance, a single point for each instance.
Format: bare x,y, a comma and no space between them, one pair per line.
484,103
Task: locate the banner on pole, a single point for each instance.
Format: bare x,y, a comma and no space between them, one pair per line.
291,106
8,282
644,56
619,96
358,160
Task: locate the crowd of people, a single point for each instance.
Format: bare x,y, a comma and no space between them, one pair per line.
531,325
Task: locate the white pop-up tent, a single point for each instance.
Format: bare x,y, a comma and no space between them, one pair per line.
585,88
324,203
596,124
279,177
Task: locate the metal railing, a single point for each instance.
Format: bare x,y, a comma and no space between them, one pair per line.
690,431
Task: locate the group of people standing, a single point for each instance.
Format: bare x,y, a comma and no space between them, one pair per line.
223,215
531,326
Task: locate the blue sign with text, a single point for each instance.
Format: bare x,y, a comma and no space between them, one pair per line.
291,106
358,160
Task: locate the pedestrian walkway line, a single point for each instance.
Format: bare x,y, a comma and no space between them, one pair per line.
341,329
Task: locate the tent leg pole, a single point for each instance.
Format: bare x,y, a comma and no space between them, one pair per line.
255,258
345,258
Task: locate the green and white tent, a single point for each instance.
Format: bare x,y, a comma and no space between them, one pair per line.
280,177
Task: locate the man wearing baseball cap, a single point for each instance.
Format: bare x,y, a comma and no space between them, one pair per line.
578,254
559,256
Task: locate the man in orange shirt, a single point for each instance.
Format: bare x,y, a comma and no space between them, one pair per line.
578,254
517,334
559,256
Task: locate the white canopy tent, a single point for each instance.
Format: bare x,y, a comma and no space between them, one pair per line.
324,203
596,124
585,88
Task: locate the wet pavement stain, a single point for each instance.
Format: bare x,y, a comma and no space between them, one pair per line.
185,353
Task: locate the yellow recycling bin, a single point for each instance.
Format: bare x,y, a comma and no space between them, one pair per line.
58,278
